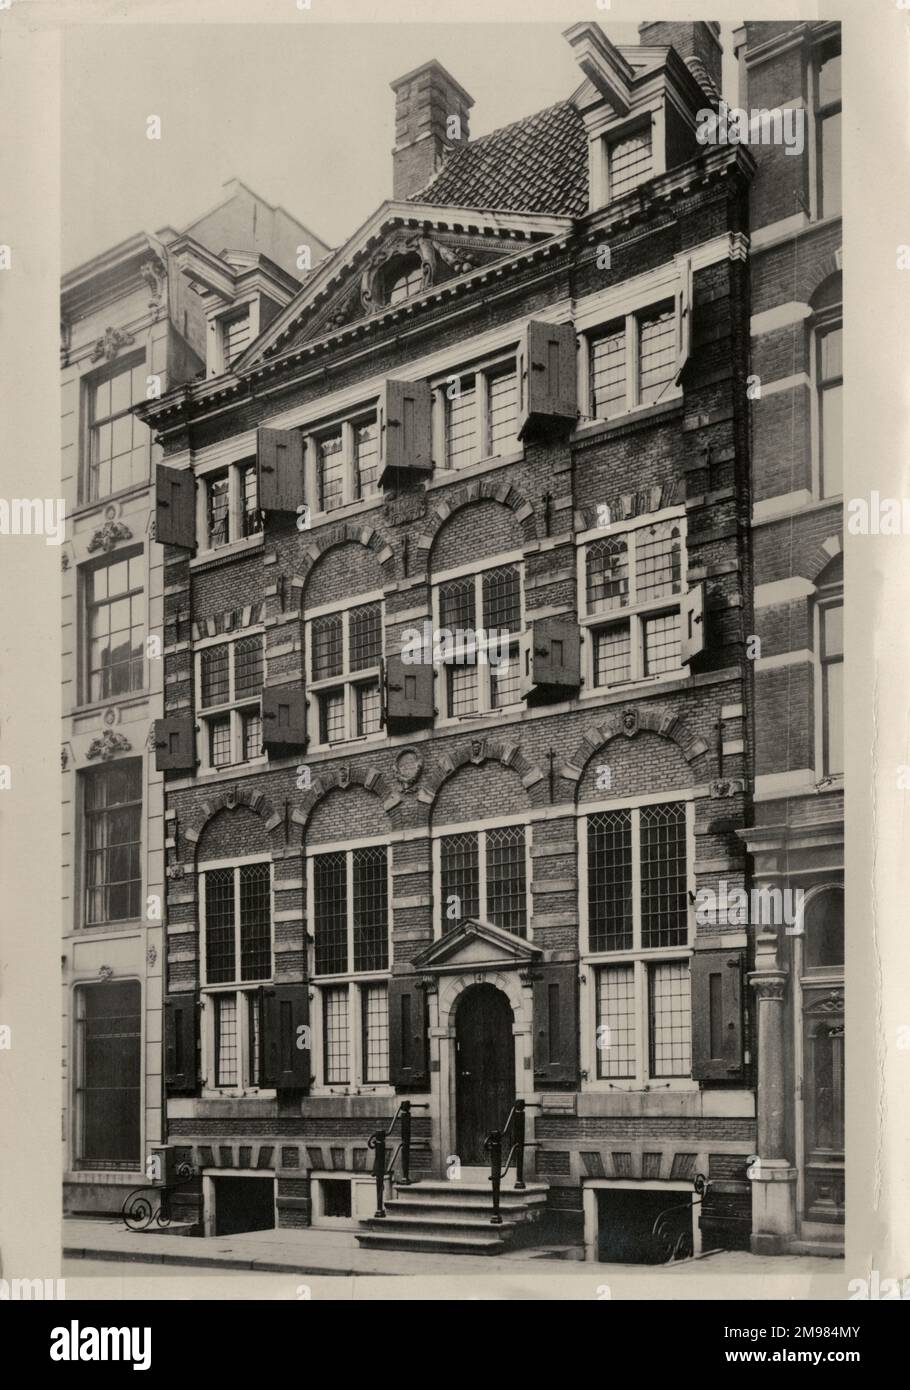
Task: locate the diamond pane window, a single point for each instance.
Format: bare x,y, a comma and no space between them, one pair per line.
328,646
507,898
607,569
255,921
610,881
460,865
456,603
364,637
216,681
331,915
501,588
238,923
371,910
247,667
664,896
658,560
220,952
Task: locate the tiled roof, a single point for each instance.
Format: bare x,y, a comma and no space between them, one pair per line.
538,164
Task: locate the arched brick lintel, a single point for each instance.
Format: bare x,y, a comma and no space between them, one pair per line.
343,534
815,275
480,491
477,752
231,800
369,778
822,556
630,722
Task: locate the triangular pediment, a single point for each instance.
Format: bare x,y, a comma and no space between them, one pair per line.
434,246
471,944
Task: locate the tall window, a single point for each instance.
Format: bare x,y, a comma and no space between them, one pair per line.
630,162
118,441
633,585
346,459
830,387
480,410
237,913
828,130
232,504
831,681
632,361
229,688
481,616
638,938
345,652
484,874
350,897
108,1075
115,608
235,336
112,806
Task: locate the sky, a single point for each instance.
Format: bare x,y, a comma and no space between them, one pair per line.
302,113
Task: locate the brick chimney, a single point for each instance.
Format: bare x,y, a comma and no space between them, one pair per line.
431,117
697,42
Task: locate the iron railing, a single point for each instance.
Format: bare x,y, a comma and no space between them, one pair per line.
139,1211
493,1146
673,1241
377,1142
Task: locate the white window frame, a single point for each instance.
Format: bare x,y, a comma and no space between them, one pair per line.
346,426
484,681
814,141
637,956
353,981
635,613
824,322
208,992
481,828
605,131
483,372
833,598
611,138
233,707
348,680
632,320
236,511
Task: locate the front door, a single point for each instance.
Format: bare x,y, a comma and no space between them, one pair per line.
485,1062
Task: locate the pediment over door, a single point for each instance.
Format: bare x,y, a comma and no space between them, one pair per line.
405,252
475,945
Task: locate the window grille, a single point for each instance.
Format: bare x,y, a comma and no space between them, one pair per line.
610,881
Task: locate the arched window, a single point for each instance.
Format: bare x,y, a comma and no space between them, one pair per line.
405,279
828,376
823,931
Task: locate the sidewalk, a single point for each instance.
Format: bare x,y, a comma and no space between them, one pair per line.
336,1253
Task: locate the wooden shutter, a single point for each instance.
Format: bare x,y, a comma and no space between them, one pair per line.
684,319
717,1014
286,1051
409,1068
547,378
175,507
279,466
283,718
550,656
405,431
175,743
693,622
556,1024
407,693
181,1043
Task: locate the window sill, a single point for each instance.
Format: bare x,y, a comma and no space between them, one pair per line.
232,769
342,513
659,1086
96,706
444,476
458,720
86,508
633,687
231,551
631,419
236,1093
346,745
380,1092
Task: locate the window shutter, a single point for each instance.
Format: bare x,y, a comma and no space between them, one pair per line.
547,377
556,1024
175,507
550,656
693,623
175,743
684,319
407,693
409,1068
717,1015
279,466
283,718
181,1044
405,431
286,1040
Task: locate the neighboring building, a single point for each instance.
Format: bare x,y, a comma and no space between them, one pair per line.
797,839
513,406
131,327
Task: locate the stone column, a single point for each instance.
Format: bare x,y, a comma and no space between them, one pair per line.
773,1175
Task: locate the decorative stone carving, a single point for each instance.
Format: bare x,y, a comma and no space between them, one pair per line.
408,767
64,758
174,871
109,535
66,340
65,561
629,719
111,716
150,739
727,786
478,750
151,954
462,262
105,972
408,506
107,746
344,776
110,343
153,273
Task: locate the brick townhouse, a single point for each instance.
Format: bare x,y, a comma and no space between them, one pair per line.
131,323
512,411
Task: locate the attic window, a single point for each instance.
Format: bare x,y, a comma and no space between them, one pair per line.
629,161
236,330
404,279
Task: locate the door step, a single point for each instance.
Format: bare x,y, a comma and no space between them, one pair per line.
455,1217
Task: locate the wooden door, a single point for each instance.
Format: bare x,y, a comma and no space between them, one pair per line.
485,1062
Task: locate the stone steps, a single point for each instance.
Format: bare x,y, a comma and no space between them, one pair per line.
453,1216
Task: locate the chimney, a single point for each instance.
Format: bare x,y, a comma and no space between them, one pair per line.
431,116
697,43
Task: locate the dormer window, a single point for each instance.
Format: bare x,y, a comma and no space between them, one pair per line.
629,162
235,336
404,279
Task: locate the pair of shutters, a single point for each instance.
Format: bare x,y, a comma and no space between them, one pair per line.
284,1015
